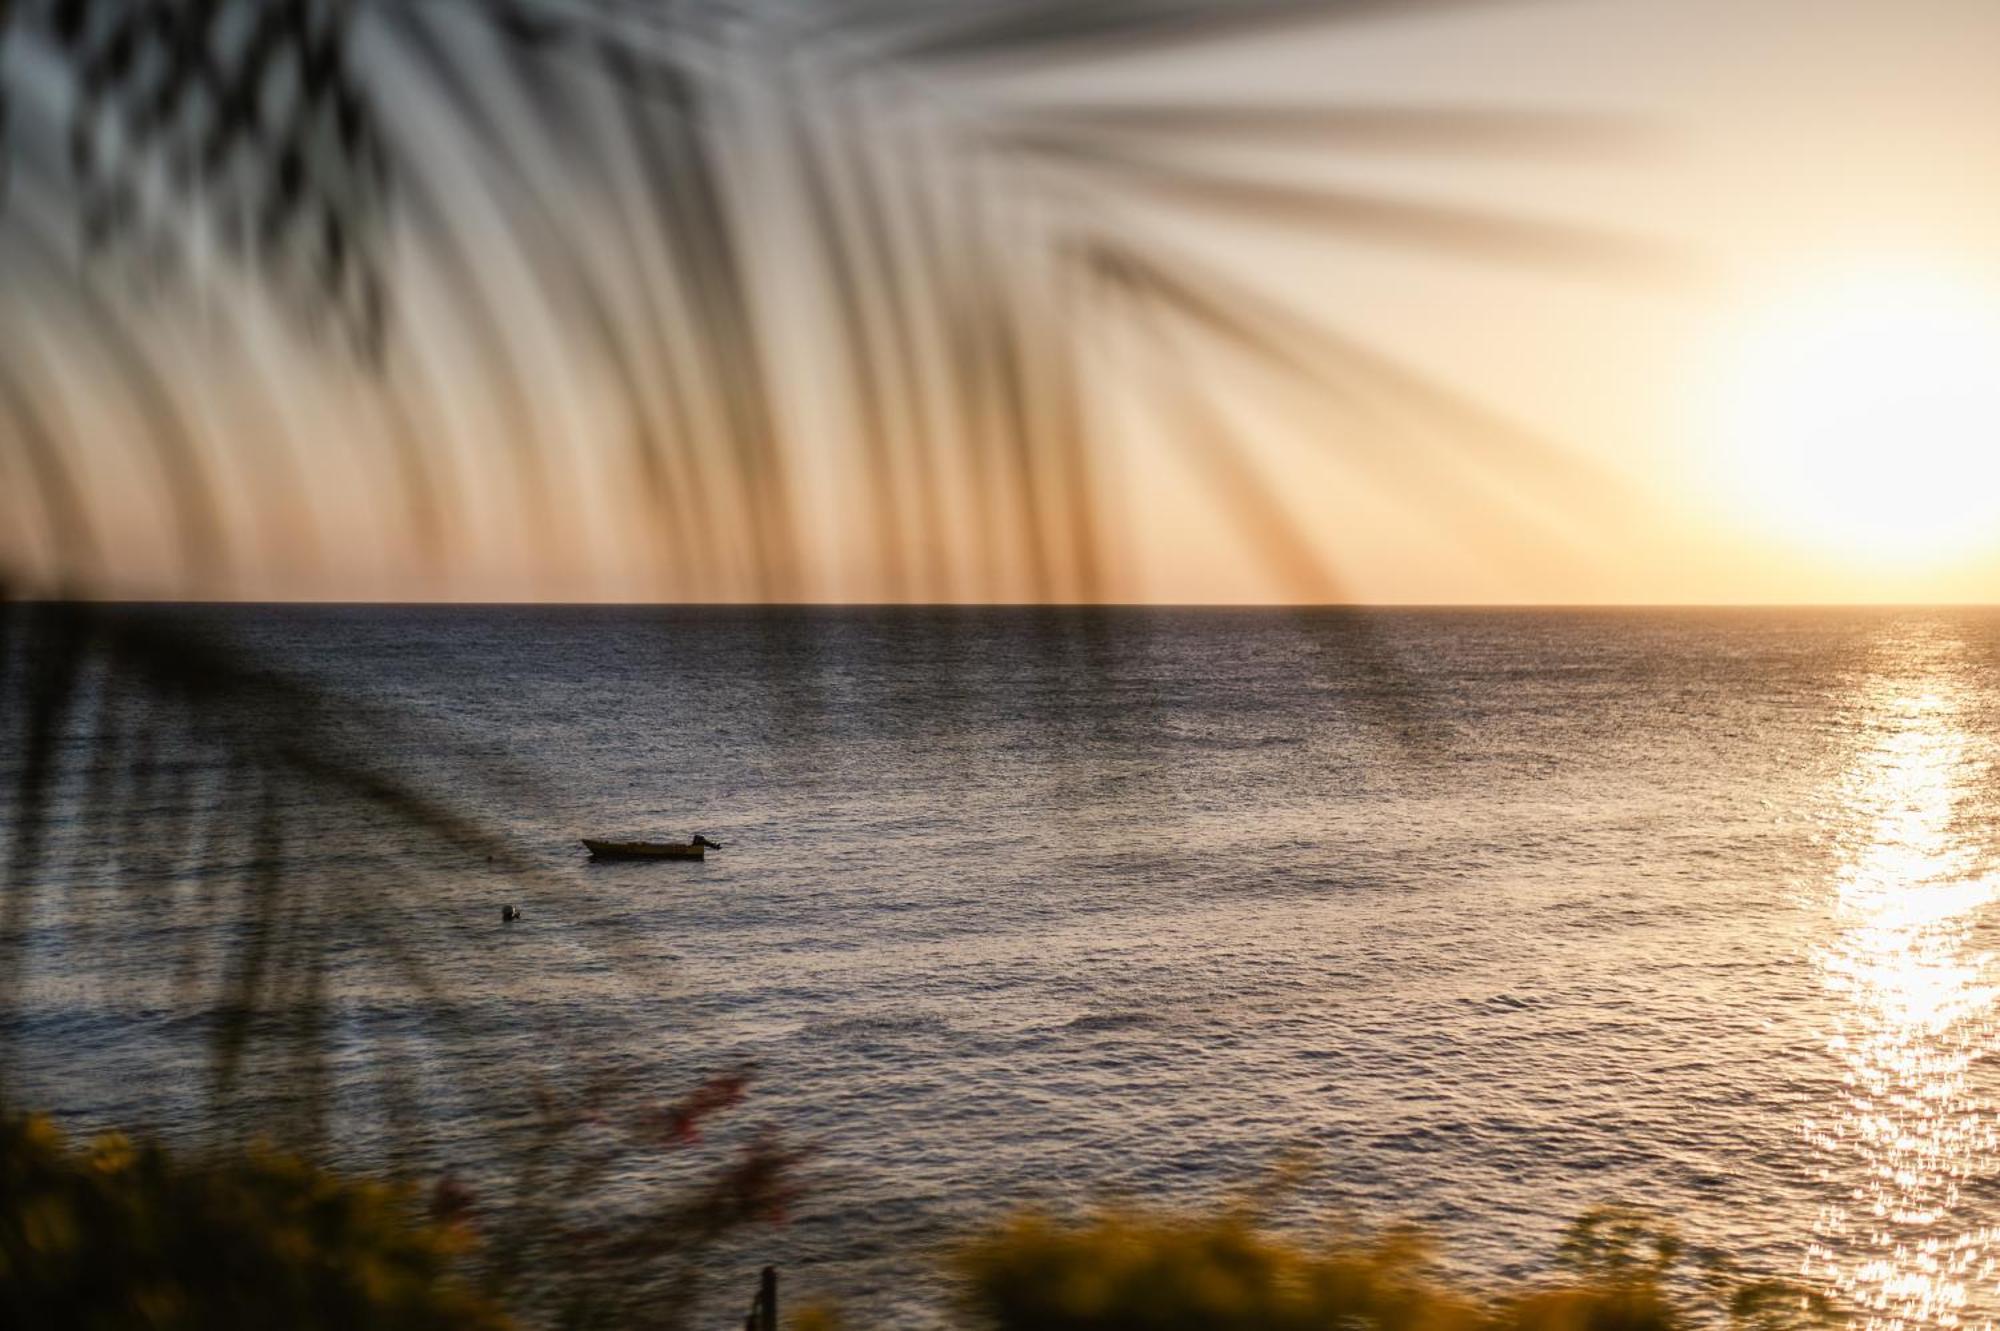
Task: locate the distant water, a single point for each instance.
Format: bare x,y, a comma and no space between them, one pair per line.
1501,914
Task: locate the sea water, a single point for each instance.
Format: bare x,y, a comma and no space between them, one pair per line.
1496,915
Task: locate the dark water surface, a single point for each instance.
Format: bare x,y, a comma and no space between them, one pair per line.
1502,914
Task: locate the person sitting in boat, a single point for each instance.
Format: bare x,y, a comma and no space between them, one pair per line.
700,840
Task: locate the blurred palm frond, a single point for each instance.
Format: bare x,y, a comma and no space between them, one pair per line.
744,240
505,276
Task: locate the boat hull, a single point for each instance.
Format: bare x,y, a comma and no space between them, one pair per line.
642,850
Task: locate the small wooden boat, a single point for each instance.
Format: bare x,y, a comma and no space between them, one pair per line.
643,850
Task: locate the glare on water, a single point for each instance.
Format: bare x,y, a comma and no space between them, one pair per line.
1916,999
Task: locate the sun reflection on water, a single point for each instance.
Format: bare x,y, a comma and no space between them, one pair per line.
1916,1015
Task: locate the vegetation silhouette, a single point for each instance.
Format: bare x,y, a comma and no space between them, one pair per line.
1142,1270
447,215
118,1234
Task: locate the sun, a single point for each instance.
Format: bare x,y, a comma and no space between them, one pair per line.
1862,418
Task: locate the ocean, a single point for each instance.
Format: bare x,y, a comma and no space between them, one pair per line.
1488,916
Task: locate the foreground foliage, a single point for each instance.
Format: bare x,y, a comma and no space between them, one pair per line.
1136,1270
115,1235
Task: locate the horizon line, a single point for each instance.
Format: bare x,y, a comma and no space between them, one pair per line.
499,604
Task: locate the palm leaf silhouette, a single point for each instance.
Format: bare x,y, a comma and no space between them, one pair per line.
456,217
648,113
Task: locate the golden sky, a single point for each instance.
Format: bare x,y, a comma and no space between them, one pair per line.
1820,161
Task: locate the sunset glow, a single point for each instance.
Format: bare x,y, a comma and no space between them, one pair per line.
1862,419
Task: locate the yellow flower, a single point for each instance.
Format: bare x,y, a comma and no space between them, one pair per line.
112,1153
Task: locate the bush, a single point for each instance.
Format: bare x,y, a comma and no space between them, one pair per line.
1153,1272
1131,1270
117,1235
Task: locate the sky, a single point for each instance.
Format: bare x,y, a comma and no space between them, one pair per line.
1795,406
1818,162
